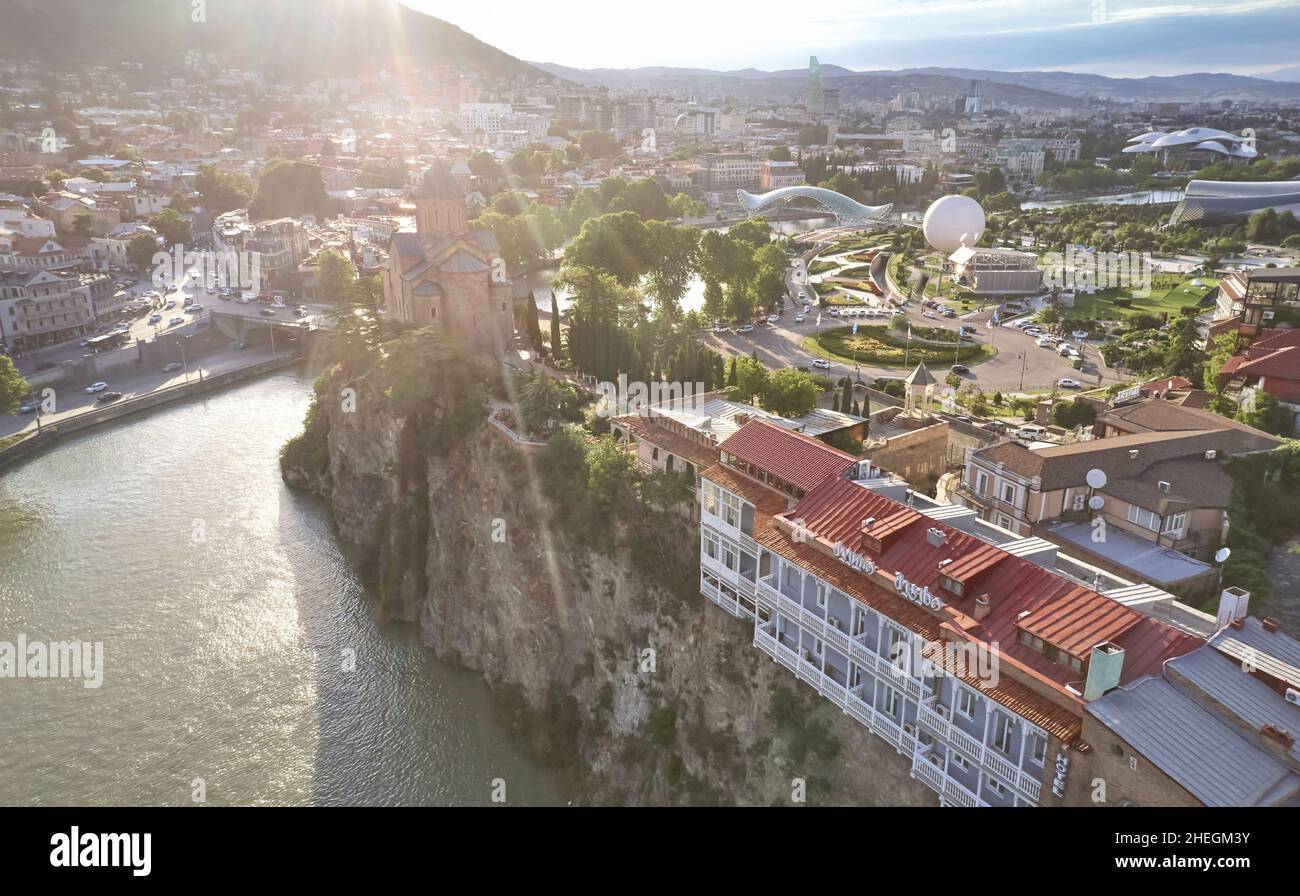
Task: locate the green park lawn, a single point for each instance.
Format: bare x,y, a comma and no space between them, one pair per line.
1169,293
877,345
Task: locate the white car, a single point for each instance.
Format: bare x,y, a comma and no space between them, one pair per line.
1080,335
747,328
821,364
798,318
94,388
773,318
1066,383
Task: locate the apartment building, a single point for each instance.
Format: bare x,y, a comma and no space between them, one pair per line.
1254,301
781,174
280,244
40,307
1163,494
44,253
971,661
729,170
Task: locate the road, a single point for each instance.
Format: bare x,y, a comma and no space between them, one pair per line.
72,400
1019,364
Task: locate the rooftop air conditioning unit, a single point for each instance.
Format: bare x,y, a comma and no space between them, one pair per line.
1164,486
1210,454
1293,696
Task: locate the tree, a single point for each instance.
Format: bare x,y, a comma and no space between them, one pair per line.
140,250
671,256
846,399
751,379
359,322
780,154
171,226
616,244
769,278
222,191
288,188
13,388
83,225
556,345
1269,415
790,393
335,275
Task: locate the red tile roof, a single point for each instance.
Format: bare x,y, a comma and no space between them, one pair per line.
799,460
1068,615
1283,363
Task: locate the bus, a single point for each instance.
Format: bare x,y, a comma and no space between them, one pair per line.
108,340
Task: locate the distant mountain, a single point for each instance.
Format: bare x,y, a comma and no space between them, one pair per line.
308,38
1290,73
1043,89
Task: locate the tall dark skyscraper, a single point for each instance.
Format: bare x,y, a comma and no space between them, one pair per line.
816,104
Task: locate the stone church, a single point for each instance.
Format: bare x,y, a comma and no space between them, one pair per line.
449,275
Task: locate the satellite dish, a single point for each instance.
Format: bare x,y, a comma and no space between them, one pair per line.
1096,478
1222,554
1096,502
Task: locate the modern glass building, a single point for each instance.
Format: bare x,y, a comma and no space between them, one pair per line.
1213,200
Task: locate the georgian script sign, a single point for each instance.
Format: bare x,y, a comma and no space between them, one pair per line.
915,593
853,559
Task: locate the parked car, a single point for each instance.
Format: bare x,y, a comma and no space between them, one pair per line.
798,318
155,318
175,321
747,328
821,364
96,387
1066,383
108,396
194,309
960,369
169,304
929,315
267,312
773,318
30,407
172,367
1031,431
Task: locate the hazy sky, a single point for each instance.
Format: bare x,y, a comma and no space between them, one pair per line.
1111,37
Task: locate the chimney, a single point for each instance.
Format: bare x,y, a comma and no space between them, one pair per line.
1103,670
1270,624
1233,604
936,536
983,606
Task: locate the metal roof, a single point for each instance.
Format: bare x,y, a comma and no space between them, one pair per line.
1207,756
1223,681
799,460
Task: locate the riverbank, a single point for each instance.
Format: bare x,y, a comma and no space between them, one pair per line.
30,443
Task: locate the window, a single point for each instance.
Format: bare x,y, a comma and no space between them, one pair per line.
990,783
961,762
654,453
966,703
1143,517
1174,525
711,544
1008,493
892,702
981,483
1038,745
821,596
729,557
817,646
1002,732
897,645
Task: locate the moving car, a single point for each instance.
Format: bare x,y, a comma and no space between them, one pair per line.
175,321
108,396
96,387
194,309
173,366
747,328
798,318
270,312
30,407
821,364
773,318
1031,431
155,318
960,369
1066,383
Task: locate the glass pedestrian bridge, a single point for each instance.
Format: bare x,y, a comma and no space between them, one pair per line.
845,210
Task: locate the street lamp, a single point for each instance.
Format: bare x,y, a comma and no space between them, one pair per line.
184,363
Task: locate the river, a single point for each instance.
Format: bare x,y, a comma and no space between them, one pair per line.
241,654
1138,197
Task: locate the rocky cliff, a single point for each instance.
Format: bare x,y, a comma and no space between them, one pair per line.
639,689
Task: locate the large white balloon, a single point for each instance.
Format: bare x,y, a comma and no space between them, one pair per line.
952,222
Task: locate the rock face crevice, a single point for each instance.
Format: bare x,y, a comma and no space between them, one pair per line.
642,692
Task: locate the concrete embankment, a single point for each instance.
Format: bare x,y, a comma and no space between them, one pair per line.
49,435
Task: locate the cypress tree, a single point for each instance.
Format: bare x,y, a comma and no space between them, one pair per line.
556,347
846,400
731,375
